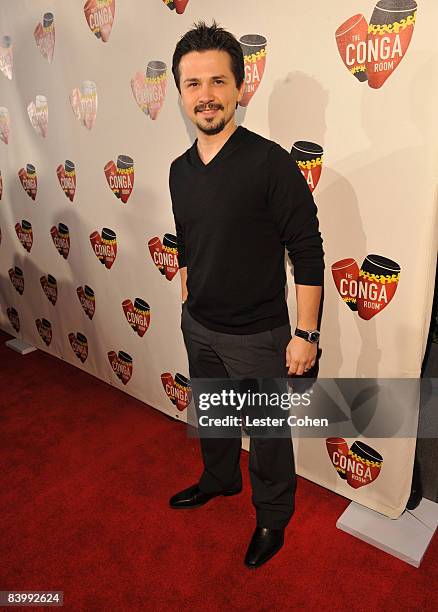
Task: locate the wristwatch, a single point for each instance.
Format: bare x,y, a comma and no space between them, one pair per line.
310,336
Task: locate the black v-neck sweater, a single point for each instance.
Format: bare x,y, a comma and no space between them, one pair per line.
234,217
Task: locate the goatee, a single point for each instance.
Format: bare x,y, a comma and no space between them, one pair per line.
212,129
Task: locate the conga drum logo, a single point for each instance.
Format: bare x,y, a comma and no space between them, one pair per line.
17,279
67,178
83,101
104,246
100,17
44,34
177,389
13,317
121,365
120,177
254,57
367,290
165,255
50,288
371,52
38,112
25,234
4,124
87,299
138,315
29,181
44,328
61,239
359,465
176,5
79,344
308,157
149,88
6,58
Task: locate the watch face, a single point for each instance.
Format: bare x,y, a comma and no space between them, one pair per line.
314,336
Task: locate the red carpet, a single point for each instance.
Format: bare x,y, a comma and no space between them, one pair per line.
87,473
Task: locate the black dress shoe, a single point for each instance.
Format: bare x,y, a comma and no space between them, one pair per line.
264,544
193,497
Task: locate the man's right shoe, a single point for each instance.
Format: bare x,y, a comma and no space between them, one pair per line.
193,497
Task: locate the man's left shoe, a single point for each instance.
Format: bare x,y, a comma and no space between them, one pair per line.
265,543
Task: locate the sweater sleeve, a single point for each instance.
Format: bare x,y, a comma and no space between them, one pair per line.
182,263
295,216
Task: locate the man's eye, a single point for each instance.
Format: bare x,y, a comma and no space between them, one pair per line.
192,84
219,81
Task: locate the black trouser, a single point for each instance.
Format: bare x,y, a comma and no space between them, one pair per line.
271,462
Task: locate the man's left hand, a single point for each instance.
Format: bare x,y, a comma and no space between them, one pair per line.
300,356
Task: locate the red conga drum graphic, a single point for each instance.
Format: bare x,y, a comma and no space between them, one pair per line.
13,318
25,234
110,170
125,367
156,250
179,5
351,39
88,103
79,345
308,156
31,181
346,274
254,55
109,246
28,179
337,449
17,279
96,243
170,255
183,392
389,34
168,385
100,17
378,281
45,36
128,309
52,289
142,313
364,465
44,328
89,304
63,240
6,59
114,360
67,178
42,114
38,112
84,103
155,81
125,173
4,124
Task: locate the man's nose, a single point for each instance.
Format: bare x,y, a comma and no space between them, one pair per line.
205,93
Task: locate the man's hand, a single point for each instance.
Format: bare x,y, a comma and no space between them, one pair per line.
300,355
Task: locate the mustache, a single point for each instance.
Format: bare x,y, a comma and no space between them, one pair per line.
210,106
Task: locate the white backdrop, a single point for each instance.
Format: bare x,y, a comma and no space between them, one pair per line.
376,194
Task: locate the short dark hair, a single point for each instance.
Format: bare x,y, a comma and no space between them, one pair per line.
206,38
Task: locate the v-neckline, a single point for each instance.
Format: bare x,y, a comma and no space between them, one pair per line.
228,145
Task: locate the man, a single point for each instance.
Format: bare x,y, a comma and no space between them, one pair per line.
238,200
